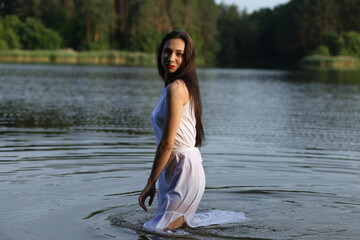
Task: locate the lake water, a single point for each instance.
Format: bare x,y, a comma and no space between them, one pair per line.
76,148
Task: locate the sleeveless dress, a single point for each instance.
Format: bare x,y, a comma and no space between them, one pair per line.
182,182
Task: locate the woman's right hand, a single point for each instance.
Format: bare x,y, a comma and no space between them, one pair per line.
149,191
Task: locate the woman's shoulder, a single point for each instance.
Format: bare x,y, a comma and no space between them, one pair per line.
178,88
179,83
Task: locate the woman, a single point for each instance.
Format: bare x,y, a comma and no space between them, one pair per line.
178,129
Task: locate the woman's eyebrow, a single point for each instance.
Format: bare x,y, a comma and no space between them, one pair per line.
178,50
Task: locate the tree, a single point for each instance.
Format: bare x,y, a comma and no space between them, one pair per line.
9,32
349,12
94,19
335,43
203,28
34,35
351,44
229,53
3,43
147,25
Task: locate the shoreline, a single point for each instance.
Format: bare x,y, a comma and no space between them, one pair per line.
320,62
69,56
143,59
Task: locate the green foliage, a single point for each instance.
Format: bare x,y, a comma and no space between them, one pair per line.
135,25
144,33
122,58
97,46
352,44
31,34
13,22
58,15
289,32
12,39
8,36
35,35
230,41
2,30
3,45
349,11
150,20
346,43
95,19
222,35
322,50
330,62
335,43
202,26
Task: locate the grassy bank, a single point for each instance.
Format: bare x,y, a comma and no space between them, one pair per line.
142,59
69,56
330,62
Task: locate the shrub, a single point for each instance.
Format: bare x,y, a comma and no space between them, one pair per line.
11,28
352,44
322,50
12,39
335,43
36,36
3,44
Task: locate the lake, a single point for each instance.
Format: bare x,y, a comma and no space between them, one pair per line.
76,149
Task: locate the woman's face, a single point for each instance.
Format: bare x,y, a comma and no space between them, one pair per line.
172,54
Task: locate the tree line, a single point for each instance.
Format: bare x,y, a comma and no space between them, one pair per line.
224,35
289,32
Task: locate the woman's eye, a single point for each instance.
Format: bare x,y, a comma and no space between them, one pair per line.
179,54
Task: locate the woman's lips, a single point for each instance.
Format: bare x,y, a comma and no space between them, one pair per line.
171,66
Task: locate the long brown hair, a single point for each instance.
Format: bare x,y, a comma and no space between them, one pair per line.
187,73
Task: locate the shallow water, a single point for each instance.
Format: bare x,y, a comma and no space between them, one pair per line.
76,148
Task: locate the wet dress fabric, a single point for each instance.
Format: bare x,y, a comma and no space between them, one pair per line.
181,184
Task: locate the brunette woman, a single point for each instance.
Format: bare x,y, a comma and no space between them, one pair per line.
177,124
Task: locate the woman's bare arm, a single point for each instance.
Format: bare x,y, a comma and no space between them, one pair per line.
176,97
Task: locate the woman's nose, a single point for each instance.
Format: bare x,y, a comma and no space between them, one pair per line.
172,57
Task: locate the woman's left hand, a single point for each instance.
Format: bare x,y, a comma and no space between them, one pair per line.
149,191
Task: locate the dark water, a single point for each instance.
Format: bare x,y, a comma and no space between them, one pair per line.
76,147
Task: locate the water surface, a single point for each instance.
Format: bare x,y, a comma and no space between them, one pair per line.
76,148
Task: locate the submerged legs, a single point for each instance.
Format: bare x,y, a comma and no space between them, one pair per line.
178,223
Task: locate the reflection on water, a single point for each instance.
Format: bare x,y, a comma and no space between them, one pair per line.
76,147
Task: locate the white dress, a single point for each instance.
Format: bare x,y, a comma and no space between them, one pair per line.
182,182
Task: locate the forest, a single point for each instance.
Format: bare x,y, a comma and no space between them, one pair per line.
225,36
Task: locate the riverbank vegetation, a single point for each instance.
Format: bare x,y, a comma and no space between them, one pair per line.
126,32
330,62
69,56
